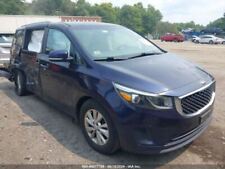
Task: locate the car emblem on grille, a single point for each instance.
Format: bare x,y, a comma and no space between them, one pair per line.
202,82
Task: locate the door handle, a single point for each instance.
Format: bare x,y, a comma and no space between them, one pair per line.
44,66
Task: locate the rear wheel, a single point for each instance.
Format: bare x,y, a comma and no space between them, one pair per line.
210,42
20,83
223,42
98,128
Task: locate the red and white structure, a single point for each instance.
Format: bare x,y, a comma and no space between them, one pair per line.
9,23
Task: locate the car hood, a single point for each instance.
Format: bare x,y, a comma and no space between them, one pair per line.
155,74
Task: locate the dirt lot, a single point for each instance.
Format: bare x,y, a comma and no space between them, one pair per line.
32,132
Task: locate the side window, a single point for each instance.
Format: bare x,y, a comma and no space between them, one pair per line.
34,40
57,40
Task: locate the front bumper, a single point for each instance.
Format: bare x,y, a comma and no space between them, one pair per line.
155,135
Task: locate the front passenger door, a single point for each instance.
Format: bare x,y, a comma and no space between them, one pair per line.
59,79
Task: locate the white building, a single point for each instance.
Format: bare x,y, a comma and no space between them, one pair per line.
9,23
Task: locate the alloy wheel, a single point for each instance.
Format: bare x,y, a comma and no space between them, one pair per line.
96,127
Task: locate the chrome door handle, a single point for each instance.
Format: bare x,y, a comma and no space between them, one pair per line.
44,66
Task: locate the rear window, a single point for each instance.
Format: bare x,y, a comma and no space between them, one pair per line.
34,40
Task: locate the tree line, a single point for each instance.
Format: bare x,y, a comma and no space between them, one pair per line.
141,19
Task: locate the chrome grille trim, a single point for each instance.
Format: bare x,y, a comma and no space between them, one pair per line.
198,90
198,109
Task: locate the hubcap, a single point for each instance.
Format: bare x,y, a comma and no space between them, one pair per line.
96,127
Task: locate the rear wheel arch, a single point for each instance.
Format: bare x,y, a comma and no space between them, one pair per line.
15,71
20,82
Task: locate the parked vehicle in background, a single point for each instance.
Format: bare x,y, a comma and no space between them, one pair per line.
4,57
5,45
195,39
6,40
209,39
221,41
112,80
171,37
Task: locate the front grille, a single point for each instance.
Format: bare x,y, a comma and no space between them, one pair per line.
193,103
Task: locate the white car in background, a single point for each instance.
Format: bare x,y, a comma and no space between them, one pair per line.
195,39
4,57
5,45
221,41
5,41
210,39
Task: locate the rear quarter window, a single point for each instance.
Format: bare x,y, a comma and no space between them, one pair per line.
34,39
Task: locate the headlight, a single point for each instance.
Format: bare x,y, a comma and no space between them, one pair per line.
144,99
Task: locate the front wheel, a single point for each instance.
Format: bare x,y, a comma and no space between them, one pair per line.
20,83
98,128
211,42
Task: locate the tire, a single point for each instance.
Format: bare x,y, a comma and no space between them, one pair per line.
111,144
223,43
211,42
20,83
197,41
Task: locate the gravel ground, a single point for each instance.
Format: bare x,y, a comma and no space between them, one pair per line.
32,132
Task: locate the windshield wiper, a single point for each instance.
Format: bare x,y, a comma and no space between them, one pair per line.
109,59
144,54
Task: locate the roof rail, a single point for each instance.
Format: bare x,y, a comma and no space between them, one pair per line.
36,24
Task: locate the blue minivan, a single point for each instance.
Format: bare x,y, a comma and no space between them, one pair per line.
123,90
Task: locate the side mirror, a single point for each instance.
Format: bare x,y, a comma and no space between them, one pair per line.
58,56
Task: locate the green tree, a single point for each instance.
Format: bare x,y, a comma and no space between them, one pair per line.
106,11
140,19
131,17
52,7
82,8
181,26
12,7
219,23
151,18
165,27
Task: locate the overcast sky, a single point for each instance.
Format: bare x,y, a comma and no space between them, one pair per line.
200,11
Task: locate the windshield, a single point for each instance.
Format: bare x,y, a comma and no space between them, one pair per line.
112,41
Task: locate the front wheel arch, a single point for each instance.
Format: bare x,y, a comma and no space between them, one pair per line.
79,104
